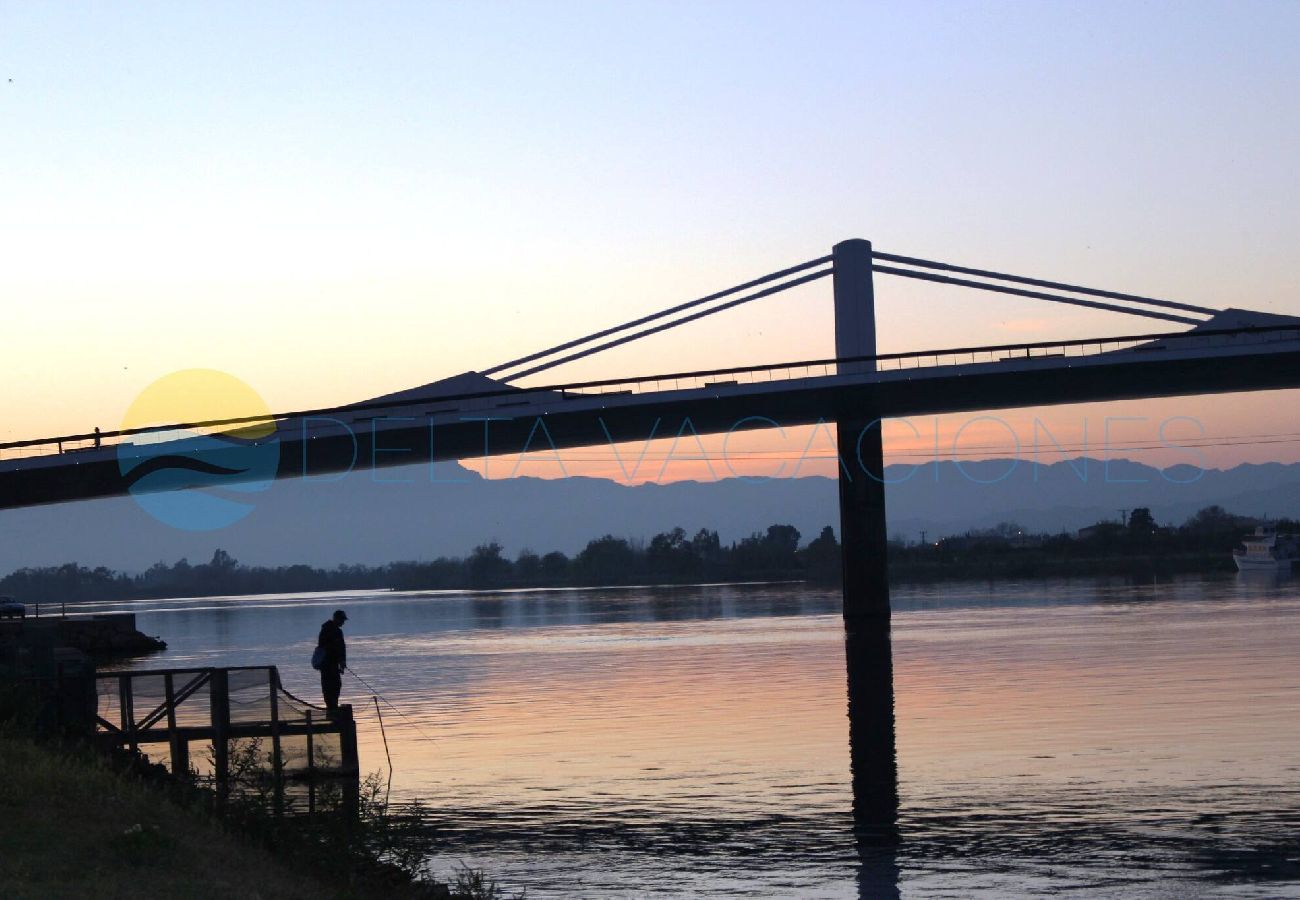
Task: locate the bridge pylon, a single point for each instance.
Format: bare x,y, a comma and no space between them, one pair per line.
863,530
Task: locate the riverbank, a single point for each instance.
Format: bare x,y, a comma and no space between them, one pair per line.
924,567
74,823
912,564
72,827
99,637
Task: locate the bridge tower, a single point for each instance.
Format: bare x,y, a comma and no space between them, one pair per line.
863,531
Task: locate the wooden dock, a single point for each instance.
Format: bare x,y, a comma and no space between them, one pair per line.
249,724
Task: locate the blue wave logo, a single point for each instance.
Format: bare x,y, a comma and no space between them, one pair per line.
201,479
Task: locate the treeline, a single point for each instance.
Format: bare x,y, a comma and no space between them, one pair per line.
1139,545
669,558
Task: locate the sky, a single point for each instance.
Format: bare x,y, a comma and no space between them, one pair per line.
333,201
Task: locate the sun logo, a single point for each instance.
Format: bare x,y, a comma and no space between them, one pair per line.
198,478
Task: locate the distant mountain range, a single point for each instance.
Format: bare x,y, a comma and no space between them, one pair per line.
358,520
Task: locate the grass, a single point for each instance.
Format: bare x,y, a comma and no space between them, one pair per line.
71,827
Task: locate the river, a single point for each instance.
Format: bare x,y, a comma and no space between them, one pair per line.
1091,736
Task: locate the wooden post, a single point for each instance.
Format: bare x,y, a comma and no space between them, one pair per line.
350,761
219,706
277,762
126,711
180,747
311,750
863,529
59,700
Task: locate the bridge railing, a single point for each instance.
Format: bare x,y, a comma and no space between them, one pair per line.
78,445
51,448
927,359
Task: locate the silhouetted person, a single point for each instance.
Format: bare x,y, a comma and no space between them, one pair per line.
96,437
336,658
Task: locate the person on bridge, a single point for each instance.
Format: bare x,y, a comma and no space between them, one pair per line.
335,658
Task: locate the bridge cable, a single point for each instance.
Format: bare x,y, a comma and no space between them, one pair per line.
1038,282
653,316
888,257
1037,295
766,292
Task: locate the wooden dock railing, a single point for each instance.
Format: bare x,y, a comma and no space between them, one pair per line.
242,715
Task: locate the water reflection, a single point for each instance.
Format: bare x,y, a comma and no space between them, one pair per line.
1021,738
873,759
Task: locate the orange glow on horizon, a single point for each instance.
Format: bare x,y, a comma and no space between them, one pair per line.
1206,432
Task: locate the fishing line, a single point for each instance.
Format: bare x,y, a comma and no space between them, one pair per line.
376,693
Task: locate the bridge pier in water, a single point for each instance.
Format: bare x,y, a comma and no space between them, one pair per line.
863,539
863,529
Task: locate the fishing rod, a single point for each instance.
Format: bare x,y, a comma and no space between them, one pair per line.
384,733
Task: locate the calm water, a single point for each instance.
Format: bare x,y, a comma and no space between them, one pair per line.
1088,737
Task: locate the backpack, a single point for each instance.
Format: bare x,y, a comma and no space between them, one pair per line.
318,657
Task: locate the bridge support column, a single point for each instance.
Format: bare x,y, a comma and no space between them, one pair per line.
863,529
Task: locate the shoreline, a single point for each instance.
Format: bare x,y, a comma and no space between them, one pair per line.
983,578
902,573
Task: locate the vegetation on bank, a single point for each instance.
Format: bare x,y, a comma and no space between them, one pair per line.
75,823
1139,545
80,820
70,827
671,557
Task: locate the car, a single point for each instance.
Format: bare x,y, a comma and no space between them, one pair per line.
9,608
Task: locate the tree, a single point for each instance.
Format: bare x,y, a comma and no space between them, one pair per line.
528,565
1141,523
486,566
823,556
782,540
770,552
222,561
555,565
706,544
670,554
606,559
1210,520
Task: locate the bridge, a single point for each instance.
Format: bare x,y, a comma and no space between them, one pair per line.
488,413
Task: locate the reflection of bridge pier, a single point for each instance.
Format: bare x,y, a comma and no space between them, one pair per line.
873,763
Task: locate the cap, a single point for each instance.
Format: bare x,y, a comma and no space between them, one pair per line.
340,614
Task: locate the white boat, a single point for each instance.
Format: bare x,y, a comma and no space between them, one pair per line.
1267,551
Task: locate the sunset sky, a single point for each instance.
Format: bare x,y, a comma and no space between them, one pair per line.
332,201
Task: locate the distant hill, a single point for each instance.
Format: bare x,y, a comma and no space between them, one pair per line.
357,520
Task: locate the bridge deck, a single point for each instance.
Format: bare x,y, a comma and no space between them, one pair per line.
511,420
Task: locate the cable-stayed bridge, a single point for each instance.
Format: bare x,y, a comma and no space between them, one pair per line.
1195,350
